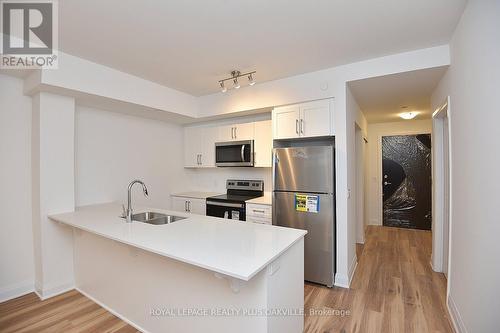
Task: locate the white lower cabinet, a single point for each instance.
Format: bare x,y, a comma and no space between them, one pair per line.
189,205
258,213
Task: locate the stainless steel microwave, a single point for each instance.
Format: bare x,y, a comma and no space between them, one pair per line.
234,153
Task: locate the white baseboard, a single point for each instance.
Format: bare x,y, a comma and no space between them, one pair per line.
46,292
131,323
17,289
352,268
343,280
455,317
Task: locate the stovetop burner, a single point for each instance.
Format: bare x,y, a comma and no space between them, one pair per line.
239,191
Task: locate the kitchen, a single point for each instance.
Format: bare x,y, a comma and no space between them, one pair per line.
142,192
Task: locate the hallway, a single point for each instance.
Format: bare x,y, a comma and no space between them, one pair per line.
393,290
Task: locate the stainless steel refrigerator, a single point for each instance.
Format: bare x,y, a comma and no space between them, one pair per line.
303,198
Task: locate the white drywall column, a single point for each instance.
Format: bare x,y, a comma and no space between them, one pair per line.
53,191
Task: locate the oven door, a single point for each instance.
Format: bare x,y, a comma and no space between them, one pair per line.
235,153
226,210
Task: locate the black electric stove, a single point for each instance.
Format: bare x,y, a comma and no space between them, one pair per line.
232,204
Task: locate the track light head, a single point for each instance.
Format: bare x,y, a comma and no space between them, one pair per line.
236,83
251,80
222,87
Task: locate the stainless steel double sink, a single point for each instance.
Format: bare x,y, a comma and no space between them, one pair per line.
155,218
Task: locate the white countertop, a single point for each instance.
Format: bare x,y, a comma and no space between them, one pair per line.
235,248
196,194
266,199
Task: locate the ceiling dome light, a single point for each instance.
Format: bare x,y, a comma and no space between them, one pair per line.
251,80
408,115
222,87
236,84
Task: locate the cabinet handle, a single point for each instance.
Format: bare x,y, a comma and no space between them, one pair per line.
201,159
185,206
236,132
297,126
232,132
258,211
302,126
189,206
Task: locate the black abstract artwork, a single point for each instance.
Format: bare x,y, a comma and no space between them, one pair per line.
407,183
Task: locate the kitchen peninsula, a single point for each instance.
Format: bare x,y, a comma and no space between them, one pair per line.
197,274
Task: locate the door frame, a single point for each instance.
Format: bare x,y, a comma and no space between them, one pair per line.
380,172
441,194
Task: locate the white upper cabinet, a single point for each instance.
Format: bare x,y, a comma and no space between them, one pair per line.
303,120
286,122
236,132
192,146
199,149
263,144
315,119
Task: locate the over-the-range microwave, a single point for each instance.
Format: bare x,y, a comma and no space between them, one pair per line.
234,154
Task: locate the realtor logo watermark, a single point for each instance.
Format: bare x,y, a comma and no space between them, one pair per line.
29,34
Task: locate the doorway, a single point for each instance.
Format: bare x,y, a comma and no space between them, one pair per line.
407,181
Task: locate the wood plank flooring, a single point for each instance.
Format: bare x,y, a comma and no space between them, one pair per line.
394,290
70,312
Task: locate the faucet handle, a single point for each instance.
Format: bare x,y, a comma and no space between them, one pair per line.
124,211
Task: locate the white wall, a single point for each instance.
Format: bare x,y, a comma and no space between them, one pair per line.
53,190
473,82
113,149
373,198
214,179
16,240
354,118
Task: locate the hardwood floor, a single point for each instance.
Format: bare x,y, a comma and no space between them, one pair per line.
70,312
394,290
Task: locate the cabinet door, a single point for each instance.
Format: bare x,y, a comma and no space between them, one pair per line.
197,206
286,122
179,204
209,137
315,119
192,146
244,131
225,133
263,144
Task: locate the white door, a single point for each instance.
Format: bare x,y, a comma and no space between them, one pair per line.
192,149
315,119
286,122
179,204
197,206
244,131
263,144
209,137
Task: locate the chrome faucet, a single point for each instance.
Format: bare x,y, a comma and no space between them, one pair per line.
128,212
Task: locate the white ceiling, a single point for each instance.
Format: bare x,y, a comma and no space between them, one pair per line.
381,98
190,44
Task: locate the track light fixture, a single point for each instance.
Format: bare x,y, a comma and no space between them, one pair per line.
234,77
